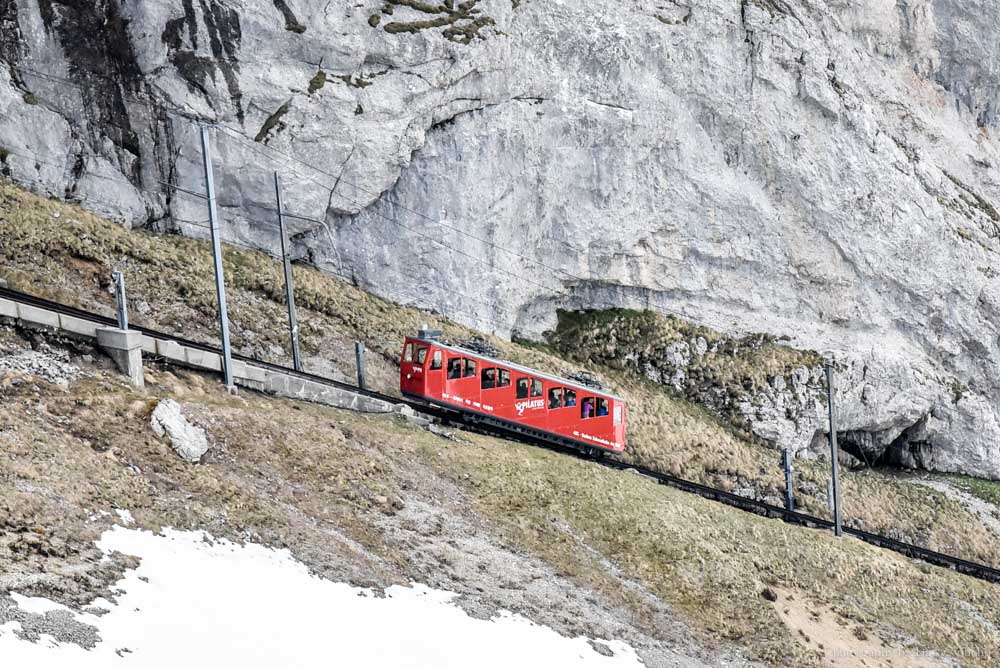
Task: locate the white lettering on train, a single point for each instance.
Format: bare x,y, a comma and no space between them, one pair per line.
521,406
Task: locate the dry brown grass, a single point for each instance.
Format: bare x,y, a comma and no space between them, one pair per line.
712,562
292,474
70,257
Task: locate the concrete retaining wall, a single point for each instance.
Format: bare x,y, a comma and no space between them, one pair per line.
245,374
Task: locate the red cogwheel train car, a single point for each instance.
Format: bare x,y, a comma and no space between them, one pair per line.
510,396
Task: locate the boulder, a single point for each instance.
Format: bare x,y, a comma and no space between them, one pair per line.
188,440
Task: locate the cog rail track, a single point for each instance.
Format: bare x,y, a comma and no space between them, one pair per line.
957,564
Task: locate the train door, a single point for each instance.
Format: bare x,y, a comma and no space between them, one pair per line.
495,387
462,381
411,372
434,372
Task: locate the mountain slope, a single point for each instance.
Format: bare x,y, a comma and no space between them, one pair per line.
822,171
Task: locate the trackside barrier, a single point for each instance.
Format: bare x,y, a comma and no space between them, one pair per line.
269,379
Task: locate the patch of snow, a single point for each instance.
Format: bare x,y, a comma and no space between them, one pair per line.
125,516
204,601
37,606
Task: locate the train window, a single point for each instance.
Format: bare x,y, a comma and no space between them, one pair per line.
602,407
570,397
618,414
504,379
489,378
436,360
522,388
556,397
421,355
587,408
454,367
408,353
470,368
536,387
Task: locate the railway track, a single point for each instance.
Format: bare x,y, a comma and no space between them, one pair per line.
957,564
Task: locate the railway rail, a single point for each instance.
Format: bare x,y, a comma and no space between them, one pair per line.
957,564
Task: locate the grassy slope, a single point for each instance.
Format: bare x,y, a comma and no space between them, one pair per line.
311,478
61,252
709,561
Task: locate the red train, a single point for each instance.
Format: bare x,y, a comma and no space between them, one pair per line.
515,398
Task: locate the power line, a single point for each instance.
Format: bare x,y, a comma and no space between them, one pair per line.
271,152
449,247
339,179
158,105
266,152
29,155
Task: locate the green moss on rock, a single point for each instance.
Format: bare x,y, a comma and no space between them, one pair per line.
317,82
272,122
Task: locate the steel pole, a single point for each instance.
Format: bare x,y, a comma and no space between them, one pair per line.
220,278
293,323
359,353
120,300
786,461
835,466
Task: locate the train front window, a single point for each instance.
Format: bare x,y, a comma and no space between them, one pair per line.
556,397
436,360
455,367
618,414
421,355
522,388
470,368
504,379
489,379
536,387
408,353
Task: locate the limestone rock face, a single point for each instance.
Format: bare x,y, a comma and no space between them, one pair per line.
825,171
188,440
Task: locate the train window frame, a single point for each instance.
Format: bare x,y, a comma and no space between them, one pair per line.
470,368
436,360
408,352
460,366
421,357
556,398
593,408
569,394
503,377
491,384
537,389
527,387
607,406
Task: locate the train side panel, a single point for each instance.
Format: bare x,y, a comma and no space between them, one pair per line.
481,386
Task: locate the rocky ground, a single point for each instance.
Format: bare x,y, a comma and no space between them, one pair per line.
58,251
326,484
376,500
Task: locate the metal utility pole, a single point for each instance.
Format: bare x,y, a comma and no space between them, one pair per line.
359,353
120,303
220,278
835,479
293,323
786,463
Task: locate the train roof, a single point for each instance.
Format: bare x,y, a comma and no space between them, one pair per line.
517,367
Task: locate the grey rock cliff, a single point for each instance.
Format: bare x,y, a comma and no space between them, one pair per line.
820,170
